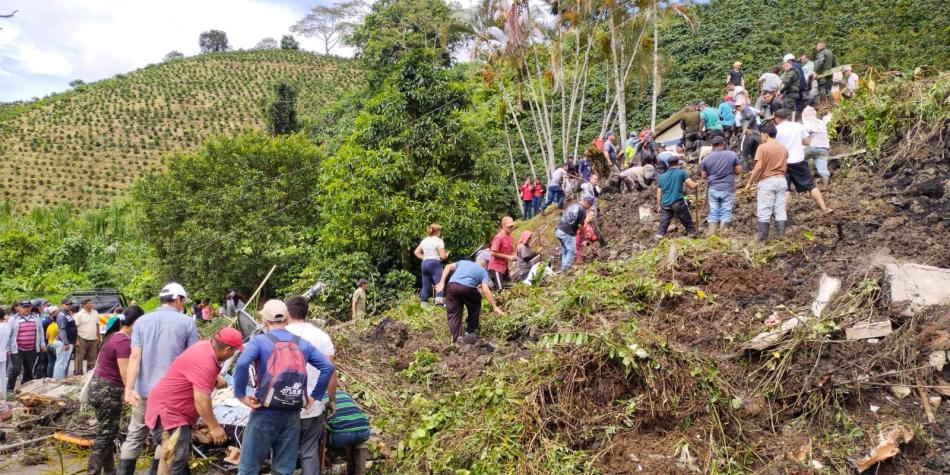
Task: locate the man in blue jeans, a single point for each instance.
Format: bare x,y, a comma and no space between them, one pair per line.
555,188
276,403
566,231
720,168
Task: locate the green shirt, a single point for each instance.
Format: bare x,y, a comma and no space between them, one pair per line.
711,117
671,182
359,298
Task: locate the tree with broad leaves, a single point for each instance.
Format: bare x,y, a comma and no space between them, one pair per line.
289,42
76,82
282,113
175,54
213,40
330,23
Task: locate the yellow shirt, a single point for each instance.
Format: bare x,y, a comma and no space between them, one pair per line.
51,331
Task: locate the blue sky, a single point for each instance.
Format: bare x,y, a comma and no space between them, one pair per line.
51,42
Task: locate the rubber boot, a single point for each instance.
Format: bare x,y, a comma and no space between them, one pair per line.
711,228
825,180
780,225
108,465
723,228
763,232
95,464
126,466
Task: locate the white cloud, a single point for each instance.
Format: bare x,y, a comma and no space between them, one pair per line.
96,39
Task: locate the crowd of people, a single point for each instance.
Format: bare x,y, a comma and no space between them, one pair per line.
155,363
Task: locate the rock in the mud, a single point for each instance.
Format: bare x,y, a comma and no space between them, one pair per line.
389,332
865,330
917,285
889,441
827,287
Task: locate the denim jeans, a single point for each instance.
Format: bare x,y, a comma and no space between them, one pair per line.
820,155
342,439
771,199
536,202
50,360
527,206
568,248
181,450
555,195
270,430
720,206
62,359
431,275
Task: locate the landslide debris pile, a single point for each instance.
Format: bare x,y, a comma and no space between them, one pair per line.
704,356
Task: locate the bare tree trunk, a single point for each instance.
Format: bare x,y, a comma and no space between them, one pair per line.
580,77
514,117
656,70
619,95
580,114
514,174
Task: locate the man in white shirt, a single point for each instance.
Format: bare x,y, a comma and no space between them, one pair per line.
87,322
794,136
313,419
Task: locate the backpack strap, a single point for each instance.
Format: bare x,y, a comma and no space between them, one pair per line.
272,338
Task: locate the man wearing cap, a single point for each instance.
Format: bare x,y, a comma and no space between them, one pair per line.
720,168
791,85
610,152
157,339
66,338
26,343
358,300
463,293
311,420
849,82
769,176
690,124
184,393
87,323
670,199
272,427
794,137
502,253
584,168
735,75
710,122
566,232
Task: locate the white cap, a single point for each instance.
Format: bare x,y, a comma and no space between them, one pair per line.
274,311
788,57
173,289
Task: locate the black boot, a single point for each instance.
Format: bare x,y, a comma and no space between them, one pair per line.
95,464
108,465
763,232
126,466
780,225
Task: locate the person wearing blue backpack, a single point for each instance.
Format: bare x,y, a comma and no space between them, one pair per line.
280,358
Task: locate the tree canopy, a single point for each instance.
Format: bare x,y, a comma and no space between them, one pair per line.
289,42
213,40
330,23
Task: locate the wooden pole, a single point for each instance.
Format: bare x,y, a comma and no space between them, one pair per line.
259,287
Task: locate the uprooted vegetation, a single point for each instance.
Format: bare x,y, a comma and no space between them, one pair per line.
639,361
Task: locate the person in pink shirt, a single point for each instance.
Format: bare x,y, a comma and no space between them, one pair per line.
502,252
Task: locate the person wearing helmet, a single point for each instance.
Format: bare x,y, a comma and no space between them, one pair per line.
157,339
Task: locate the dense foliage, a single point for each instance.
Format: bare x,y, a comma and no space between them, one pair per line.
213,40
282,112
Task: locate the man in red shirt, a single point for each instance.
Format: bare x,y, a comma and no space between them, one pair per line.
502,252
184,393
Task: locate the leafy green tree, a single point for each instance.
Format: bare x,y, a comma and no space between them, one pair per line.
267,43
220,217
282,112
410,160
76,83
213,40
175,54
395,27
289,42
330,23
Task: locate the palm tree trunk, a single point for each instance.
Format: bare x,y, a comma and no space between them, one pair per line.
514,174
656,70
514,117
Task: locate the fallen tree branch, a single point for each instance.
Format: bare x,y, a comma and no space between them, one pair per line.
18,445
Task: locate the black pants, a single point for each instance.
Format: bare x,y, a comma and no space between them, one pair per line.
690,137
499,280
680,210
460,297
181,450
23,362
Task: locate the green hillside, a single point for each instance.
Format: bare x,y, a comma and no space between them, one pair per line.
90,144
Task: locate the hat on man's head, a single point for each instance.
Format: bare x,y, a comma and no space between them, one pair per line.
788,57
26,303
230,337
737,64
589,198
718,140
609,133
174,290
361,282
274,311
483,255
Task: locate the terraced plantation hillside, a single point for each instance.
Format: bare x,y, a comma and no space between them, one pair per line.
88,145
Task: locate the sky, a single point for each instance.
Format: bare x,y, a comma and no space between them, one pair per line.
48,43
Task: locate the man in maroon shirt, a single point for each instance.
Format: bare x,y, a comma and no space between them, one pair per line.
502,252
184,393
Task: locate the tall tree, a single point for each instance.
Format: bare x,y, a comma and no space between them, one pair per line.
282,112
659,11
289,42
213,40
175,54
330,23
267,43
